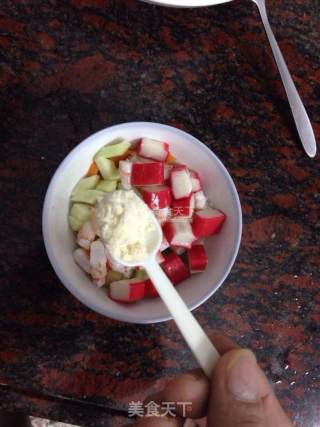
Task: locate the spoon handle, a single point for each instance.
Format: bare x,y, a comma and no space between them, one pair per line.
299,113
198,341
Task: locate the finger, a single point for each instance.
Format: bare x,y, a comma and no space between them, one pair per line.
202,422
192,386
188,394
222,343
159,422
236,394
239,391
275,415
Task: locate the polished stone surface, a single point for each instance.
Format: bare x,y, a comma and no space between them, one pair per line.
71,68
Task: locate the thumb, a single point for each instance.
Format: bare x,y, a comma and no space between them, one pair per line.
238,388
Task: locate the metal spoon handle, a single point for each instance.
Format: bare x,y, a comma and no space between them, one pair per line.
198,341
299,113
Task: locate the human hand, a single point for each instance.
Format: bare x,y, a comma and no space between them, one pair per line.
237,395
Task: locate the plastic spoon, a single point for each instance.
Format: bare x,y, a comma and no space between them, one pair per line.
198,341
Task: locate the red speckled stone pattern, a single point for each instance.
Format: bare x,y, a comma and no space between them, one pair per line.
71,68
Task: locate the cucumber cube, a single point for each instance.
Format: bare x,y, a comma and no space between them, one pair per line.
115,148
86,196
106,186
74,223
106,167
113,276
81,212
88,183
141,274
115,176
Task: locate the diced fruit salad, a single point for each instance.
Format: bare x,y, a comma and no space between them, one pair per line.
171,190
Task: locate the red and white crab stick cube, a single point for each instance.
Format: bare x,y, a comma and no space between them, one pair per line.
197,258
98,261
147,174
150,289
157,197
174,268
125,169
207,221
167,171
198,242
81,257
183,207
179,233
179,250
196,182
200,200
159,257
153,149
164,244
126,291
181,183
86,235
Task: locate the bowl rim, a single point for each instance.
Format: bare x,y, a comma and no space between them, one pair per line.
186,3
46,211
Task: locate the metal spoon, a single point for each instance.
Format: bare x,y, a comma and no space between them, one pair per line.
299,113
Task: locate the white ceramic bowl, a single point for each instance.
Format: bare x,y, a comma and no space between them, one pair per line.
60,242
186,3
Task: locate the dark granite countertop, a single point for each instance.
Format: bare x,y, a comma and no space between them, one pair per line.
70,68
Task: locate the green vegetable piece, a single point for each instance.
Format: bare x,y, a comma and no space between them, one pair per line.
75,223
115,176
106,167
113,276
88,183
141,274
87,196
81,212
115,148
107,186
